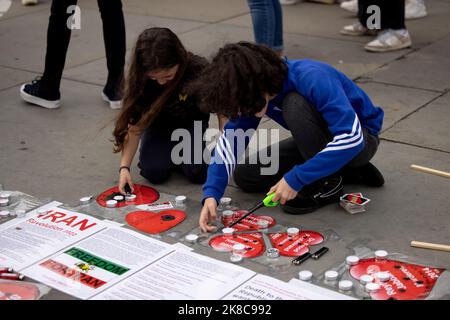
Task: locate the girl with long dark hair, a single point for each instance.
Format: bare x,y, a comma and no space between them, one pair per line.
155,104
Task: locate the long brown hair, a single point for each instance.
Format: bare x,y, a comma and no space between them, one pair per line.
156,49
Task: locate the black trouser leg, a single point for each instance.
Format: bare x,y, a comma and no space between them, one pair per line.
249,177
155,155
114,38
58,38
392,13
195,169
310,135
155,158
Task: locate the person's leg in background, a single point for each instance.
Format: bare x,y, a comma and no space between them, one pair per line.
267,19
394,35
115,47
45,92
278,43
359,28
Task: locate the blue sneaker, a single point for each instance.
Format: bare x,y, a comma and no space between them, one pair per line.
32,93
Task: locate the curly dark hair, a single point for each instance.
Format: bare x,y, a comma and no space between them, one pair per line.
238,78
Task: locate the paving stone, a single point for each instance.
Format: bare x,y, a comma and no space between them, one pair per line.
346,56
198,10
397,102
429,127
86,44
11,77
426,68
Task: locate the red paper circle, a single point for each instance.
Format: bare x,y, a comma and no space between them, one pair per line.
18,291
249,223
297,245
253,242
144,195
155,222
408,281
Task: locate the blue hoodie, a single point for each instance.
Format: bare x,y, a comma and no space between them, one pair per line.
343,105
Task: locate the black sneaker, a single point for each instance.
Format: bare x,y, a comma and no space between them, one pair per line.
33,93
316,195
113,95
367,175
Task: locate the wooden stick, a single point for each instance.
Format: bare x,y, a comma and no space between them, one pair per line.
427,245
431,171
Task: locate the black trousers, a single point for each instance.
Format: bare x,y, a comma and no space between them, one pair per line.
310,135
392,13
58,38
155,158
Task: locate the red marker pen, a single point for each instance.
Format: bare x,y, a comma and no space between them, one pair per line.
12,276
6,270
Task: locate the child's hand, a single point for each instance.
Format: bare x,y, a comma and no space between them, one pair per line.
208,214
124,178
283,192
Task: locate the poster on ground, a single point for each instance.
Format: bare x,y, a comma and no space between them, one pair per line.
181,275
262,287
98,262
41,233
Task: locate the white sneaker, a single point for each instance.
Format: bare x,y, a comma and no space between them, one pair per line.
113,104
415,9
288,2
30,2
351,6
357,29
390,40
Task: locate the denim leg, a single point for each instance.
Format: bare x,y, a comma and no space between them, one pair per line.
278,44
263,18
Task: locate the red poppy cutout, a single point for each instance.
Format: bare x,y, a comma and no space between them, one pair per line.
144,195
18,291
249,223
155,222
253,243
408,281
297,245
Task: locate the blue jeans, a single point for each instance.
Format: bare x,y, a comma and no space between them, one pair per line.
267,19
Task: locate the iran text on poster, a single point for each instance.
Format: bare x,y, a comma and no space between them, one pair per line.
43,232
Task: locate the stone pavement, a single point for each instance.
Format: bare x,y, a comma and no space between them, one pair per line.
66,153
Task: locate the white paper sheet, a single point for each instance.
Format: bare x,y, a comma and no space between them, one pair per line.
323,293
181,275
25,241
262,287
98,262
